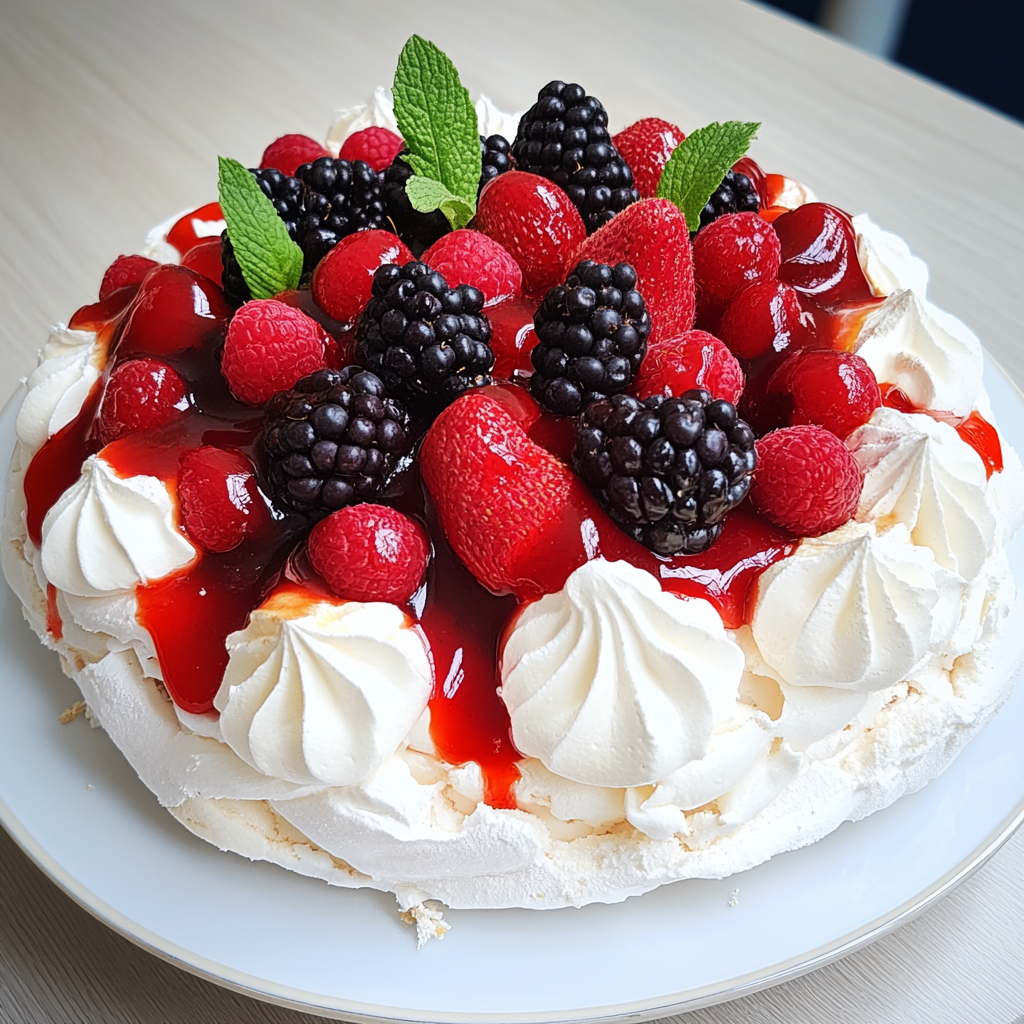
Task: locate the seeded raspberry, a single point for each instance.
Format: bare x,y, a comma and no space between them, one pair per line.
469,257
766,316
289,152
125,270
646,145
734,251
344,277
694,359
220,501
142,394
269,346
807,481
370,553
374,146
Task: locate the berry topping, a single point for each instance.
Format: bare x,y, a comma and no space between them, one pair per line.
418,230
423,338
666,469
736,250
694,359
593,334
332,441
564,137
289,152
495,158
535,222
646,145
374,146
370,553
469,257
344,277
736,194
807,481
766,316
269,346
205,258
141,394
125,271
195,227
652,237
496,491
220,501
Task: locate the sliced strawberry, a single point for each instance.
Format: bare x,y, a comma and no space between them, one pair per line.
646,145
694,359
470,257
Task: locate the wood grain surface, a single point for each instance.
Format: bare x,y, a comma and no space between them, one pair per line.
112,113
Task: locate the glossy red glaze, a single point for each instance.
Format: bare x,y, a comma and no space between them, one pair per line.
54,626
896,398
984,439
512,335
204,258
198,226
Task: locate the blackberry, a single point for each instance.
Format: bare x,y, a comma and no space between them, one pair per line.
592,334
667,469
564,137
418,230
421,337
736,194
495,158
332,440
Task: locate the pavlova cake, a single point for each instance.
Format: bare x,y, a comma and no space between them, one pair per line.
494,510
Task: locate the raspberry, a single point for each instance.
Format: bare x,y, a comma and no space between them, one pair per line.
731,253
807,481
647,144
370,553
289,152
269,346
652,237
344,277
141,394
535,222
469,257
374,146
220,500
694,359
766,316
124,271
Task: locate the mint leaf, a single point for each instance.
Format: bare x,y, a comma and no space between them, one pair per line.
269,260
698,165
438,122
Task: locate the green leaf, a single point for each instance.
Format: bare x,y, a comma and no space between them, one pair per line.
438,122
269,260
698,165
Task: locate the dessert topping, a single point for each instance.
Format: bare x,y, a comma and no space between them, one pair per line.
735,251
141,394
289,152
469,257
125,271
374,146
695,359
646,146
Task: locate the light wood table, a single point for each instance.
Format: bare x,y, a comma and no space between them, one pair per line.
112,113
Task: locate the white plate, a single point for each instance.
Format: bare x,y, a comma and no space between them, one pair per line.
76,807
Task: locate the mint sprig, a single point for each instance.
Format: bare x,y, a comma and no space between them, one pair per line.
438,122
269,260
698,165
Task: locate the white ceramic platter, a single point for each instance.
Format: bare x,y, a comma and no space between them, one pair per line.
76,807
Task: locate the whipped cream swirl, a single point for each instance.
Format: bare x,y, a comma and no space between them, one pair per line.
108,532
854,610
612,682
887,260
921,473
322,692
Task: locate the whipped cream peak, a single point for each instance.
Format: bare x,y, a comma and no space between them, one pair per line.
934,358
612,682
322,692
921,473
854,610
108,532
887,261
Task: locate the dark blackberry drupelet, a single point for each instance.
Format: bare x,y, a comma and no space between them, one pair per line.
593,335
667,469
495,158
736,194
418,230
422,338
332,440
564,137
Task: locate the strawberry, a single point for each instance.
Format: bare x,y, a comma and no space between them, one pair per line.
377,147
289,152
694,359
807,481
469,257
344,277
370,552
269,346
652,237
141,394
535,222
646,145
220,500
763,316
125,271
